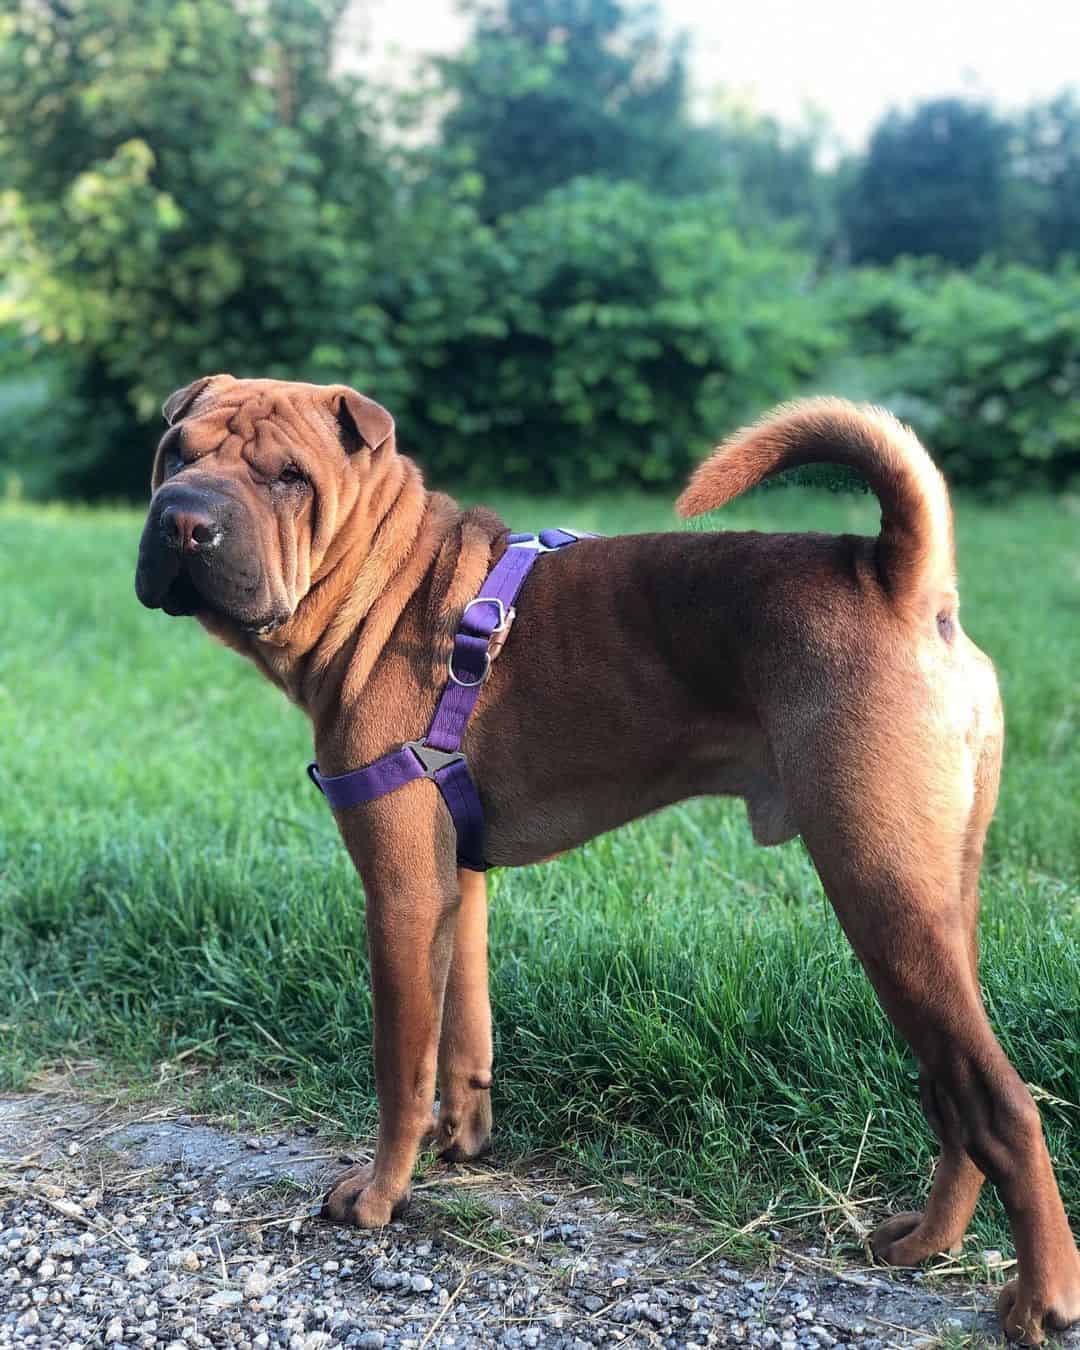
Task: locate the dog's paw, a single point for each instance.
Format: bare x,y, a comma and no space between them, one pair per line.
1028,1314
904,1240
355,1199
459,1136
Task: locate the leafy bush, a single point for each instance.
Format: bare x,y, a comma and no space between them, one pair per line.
985,365
870,304
612,335
601,334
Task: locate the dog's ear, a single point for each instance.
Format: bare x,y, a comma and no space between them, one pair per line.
175,408
363,422
178,405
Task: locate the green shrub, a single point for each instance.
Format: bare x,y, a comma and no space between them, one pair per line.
612,335
602,335
985,365
871,304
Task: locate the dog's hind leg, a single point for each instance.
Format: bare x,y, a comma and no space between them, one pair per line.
463,1123
897,880
908,1239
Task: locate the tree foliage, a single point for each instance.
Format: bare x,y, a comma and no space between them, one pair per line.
198,193
551,90
1044,181
574,283
931,183
184,190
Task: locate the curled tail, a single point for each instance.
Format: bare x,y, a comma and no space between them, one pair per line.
915,558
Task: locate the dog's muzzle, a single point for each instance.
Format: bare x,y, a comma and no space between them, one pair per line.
182,565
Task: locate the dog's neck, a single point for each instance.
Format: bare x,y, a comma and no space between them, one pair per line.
400,546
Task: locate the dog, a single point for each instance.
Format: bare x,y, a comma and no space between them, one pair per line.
825,680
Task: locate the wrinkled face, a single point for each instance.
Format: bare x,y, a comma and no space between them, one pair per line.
249,484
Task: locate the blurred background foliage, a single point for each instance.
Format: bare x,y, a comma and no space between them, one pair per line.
550,273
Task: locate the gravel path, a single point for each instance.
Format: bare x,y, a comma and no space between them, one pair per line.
163,1231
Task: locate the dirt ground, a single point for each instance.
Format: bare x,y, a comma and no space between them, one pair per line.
152,1228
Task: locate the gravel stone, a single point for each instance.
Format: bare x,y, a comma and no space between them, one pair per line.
225,1298
256,1284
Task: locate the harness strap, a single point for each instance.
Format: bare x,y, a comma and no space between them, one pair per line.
438,755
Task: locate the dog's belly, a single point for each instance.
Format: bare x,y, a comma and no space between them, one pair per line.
568,816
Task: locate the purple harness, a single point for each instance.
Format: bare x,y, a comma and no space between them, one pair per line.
438,755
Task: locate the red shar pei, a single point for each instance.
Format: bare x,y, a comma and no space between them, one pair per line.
825,680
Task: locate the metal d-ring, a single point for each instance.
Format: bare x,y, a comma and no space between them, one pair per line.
470,684
488,600
500,627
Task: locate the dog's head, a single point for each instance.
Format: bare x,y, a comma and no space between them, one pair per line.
251,485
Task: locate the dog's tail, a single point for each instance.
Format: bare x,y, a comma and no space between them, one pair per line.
914,550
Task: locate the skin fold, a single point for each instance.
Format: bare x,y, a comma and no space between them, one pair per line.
826,680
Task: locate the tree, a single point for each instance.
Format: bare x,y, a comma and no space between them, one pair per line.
1044,180
769,173
186,190
931,184
550,90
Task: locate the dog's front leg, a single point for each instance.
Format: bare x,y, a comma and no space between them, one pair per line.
463,1125
410,881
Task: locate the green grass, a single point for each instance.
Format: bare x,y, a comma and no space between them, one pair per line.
670,1001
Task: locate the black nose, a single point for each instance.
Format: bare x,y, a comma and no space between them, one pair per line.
189,530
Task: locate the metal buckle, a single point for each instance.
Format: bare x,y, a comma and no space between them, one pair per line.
432,758
488,600
470,684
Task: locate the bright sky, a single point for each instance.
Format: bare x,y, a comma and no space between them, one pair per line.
852,59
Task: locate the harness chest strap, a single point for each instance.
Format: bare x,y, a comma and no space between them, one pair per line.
438,756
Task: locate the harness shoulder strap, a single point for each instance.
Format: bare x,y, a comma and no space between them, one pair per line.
438,755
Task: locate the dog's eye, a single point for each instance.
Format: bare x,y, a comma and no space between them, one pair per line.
291,476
